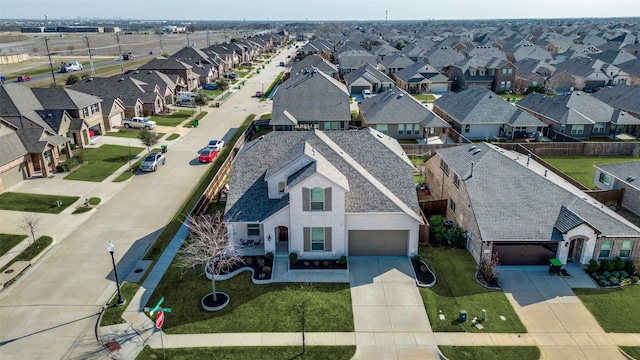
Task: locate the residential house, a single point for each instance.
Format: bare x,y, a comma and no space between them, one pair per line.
207,68
495,74
441,58
318,47
322,195
369,78
531,73
586,73
578,115
174,67
349,61
614,57
632,68
625,176
420,77
315,62
479,113
524,217
383,51
311,99
399,115
393,63
624,98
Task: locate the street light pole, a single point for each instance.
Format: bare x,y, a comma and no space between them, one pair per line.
111,249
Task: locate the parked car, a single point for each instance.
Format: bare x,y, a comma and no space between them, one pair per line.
215,145
152,161
233,76
209,87
128,56
366,93
259,94
282,63
71,66
24,78
207,155
138,122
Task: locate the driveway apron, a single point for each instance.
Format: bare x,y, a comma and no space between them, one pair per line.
549,309
389,316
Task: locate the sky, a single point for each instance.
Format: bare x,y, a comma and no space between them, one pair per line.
313,10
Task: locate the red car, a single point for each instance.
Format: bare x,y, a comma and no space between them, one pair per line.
259,94
207,155
24,78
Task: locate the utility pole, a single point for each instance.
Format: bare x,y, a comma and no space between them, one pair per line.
86,41
46,43
161,51
208,44
120,52
188,43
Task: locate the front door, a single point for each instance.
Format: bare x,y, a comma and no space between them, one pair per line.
575,250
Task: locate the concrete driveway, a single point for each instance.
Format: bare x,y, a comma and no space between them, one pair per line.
389,316
554,316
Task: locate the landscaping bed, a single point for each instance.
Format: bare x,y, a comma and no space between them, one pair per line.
258,264
424,276
308,264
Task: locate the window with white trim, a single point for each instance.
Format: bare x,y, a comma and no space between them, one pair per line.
317,239
467,129
317,199
604,179
400,129
253,229
577,129
625,249
456,180
605,249
599,127
452,205
281,186
383,128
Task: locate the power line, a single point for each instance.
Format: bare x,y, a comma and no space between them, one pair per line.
46,43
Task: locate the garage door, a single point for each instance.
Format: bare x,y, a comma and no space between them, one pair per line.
358,89
12,176
525,253
439,88
378,242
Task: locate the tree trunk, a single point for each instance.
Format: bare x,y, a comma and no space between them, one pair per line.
213,285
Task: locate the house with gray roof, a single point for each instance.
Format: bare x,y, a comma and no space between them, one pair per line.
632,68
315,62
586,72
349,61
511,210
495,74
578,115
311,99
531,73
393,63
624,98
479,113
174,67
367,78
396,113
441,58
322,195
420,78
625,176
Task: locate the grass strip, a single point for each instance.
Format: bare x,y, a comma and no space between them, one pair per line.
251,352
39,203
9,241
31,251
112,315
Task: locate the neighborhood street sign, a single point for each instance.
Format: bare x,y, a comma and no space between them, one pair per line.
159,320
155,308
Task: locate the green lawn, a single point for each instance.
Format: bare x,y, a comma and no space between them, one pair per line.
265,116
580,168
252,308
252,352
633,351
174,119
131,134
102,161
490,352
424,97
31,251
35,202
615,309
9,241
94,201
173,137
416,160
457,289
113,314
408,141
510,97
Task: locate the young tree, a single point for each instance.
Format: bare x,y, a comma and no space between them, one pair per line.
148,138
222,85
300,307
30,223
200,99
209,247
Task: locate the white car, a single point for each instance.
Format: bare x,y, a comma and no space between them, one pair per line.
72,66
366,93
216,145
152,161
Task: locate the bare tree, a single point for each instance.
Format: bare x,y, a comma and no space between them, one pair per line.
300,307
30,223
209,247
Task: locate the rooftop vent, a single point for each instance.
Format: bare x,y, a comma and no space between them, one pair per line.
400,96
121,79
472,148
149,72
630,179
475,151
135,72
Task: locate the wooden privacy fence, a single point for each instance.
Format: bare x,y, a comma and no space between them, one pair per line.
576,148
433,207
12,59
607,197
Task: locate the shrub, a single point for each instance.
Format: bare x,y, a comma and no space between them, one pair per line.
602,278
423,268
416,258
325,263
618,264
306,263
595,276
624,274
72,79
269,255
293,257
630,266
266,269
436,221
455,238
248,260
606,274
342,260
262,276
593,266
614,281
603,282
615,274
261,262
606,265
316,263
488,271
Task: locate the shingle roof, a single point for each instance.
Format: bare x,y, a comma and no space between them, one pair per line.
11,148
369,73
419,71
479,105
628,172
508,206
314,61
626,98
396,106
57,98
355,59
376,171
397,61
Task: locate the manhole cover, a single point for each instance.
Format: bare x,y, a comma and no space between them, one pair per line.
137,271
8,271
112,345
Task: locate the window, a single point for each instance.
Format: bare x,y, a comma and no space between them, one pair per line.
504,71
383,128
85,112
534,83
317,239
472,72
94,108
599,127
432,131
481,72
467,129
502,83
444,167
562,129
327,125
317,199
577,129
281,187
510,71
456,180
604,179
253,229
625,250
605,249
492,72
400,129
508,87
452,205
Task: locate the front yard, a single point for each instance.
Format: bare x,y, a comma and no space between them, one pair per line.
580,168
253,308
457,289
616,310
102,161
35,202
174,119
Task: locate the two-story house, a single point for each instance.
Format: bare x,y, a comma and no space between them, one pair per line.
495,74
420,77
324,194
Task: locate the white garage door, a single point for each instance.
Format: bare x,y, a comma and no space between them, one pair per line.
439,88
378,242
12,176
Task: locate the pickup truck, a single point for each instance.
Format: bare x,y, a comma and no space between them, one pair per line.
139,123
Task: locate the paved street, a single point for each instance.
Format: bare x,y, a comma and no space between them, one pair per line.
51,311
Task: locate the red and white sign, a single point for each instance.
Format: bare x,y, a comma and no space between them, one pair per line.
159,319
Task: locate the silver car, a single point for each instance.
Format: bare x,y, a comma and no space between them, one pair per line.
152,161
